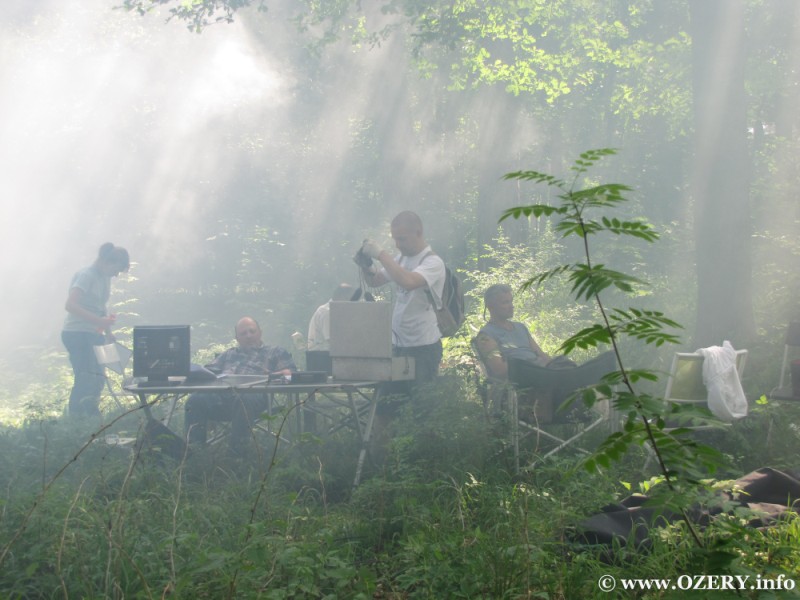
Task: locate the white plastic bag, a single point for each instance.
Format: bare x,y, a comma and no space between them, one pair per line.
115,356
726,399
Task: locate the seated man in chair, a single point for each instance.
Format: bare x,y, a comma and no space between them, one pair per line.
509,352
501,338
250,356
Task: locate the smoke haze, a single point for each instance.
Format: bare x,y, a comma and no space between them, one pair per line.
241,171
116,128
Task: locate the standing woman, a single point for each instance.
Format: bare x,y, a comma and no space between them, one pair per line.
88,324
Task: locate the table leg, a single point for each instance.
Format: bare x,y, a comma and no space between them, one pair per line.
365,438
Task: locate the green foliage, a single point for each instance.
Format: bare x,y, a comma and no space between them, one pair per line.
680,458
442,517
632,57
198,14
646,325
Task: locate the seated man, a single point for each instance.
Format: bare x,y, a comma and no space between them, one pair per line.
319,328
249,357
501,338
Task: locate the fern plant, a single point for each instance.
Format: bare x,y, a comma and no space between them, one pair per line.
681,460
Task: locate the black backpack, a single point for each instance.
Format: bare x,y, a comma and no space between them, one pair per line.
451,316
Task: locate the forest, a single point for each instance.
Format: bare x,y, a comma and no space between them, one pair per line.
626,167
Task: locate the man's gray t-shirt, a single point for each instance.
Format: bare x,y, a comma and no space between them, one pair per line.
515,343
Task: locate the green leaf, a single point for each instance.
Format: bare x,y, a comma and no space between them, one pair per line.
535,176
536,210
542,277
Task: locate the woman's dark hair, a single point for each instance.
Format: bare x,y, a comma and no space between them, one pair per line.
111,254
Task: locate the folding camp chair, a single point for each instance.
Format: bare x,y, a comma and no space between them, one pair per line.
789,386
113,356
494,391
499,398
541,393
532,395
685,383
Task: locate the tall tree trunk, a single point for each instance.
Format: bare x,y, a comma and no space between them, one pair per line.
721,175
500,120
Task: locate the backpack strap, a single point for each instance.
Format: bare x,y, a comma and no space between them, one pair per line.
427,287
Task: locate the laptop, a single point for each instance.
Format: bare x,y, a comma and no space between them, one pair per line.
319,360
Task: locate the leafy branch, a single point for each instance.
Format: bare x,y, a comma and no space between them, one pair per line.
678,457
198,14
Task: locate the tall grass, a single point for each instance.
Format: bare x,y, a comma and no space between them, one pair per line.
442,516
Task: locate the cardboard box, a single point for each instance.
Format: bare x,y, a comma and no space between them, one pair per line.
361,329
361,343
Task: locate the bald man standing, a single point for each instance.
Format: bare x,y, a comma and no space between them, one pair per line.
418,276
250,356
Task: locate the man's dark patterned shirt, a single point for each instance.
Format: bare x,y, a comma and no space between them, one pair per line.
253,361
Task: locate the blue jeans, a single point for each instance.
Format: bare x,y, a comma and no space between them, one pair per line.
84,399
426,360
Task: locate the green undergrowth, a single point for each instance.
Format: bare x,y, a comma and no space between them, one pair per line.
440,513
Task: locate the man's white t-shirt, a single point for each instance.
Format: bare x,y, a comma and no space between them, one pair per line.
413,318
319,328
